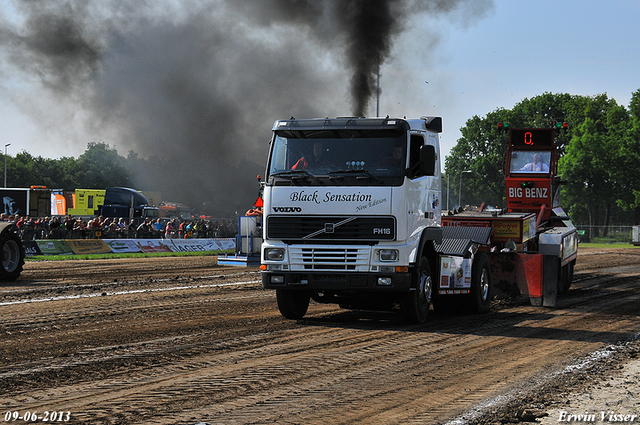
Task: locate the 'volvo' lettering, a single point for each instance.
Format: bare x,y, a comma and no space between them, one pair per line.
287,209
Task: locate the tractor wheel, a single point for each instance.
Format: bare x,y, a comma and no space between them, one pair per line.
12,256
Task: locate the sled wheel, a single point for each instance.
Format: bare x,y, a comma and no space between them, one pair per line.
566,276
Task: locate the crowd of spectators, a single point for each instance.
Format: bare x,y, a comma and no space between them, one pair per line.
69,227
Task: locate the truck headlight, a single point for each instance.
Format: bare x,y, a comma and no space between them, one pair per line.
274,254
388,255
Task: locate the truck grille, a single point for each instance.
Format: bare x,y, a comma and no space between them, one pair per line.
329,259
334,228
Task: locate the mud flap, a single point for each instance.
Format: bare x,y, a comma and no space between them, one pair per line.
530,275
532,264
549,280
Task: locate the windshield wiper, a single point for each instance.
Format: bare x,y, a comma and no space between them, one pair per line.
296,175
363,173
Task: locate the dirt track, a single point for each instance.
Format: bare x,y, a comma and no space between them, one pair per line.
184,341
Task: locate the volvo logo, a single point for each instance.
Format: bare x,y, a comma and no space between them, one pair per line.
329,227
287,209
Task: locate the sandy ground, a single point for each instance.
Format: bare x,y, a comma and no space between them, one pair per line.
614,398
186,341
601,388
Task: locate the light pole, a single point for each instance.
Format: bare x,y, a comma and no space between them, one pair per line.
5,163
448,185
460,192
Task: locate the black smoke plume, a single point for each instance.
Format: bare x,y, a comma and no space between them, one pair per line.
194,86
369,33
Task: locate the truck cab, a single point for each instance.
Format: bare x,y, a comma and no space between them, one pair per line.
351,213
126,202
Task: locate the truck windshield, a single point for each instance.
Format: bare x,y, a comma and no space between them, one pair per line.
353,157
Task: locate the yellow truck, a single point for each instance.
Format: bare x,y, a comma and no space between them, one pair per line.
86,202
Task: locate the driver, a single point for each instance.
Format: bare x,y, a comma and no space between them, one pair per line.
536,164
395,160
315,160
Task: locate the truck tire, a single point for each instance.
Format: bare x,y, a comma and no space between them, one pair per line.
480,299
12,255
415,305
293,304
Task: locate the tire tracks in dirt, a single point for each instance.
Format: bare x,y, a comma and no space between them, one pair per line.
333,367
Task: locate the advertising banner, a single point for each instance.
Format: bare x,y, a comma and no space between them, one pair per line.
455,272
507,229
192,245
108,246
31,248
154,245
54,247
14,201
88,246
58,204
122,245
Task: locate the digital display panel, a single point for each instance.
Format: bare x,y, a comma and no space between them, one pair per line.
532,137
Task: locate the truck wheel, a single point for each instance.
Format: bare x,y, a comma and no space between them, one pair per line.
415,305
12,255
480,300
293,304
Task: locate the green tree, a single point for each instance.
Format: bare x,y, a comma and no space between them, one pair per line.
481,151
99,167
22,171
591,165
544,111
602,136
482,147
629,198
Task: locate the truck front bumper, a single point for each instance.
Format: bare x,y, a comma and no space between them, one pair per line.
336,281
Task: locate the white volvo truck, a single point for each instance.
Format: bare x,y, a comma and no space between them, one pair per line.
352,216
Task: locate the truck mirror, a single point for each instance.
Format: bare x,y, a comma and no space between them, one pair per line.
428,160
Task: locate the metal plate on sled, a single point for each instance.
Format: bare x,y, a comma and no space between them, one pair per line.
456,240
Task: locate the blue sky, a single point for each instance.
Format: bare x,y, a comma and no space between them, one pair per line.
451,66
521,49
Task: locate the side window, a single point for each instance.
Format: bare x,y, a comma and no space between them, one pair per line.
417,140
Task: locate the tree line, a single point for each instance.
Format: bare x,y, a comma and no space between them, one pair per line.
600,153
98,167
599,156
